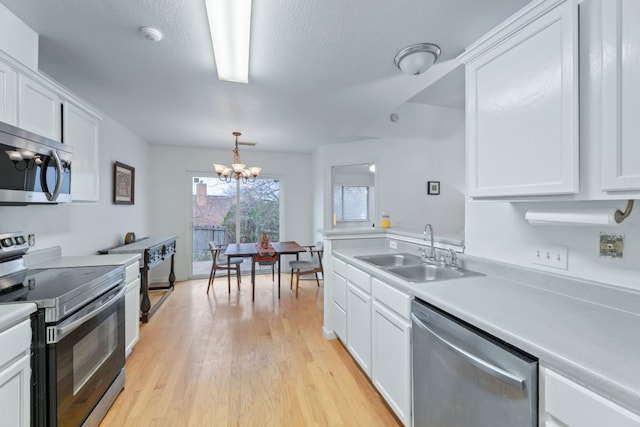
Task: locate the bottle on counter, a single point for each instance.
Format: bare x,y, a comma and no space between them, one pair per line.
386,221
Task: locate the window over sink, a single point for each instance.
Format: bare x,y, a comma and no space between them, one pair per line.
353,189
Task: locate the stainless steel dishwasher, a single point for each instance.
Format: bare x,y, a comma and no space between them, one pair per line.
465,377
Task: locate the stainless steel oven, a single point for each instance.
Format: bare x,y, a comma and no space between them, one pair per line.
78,348
85,359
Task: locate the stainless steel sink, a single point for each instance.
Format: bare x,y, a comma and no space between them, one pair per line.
391,260
428,272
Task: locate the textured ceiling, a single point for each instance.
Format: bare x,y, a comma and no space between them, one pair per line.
319,72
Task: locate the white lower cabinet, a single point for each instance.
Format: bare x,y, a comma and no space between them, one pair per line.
339,301
15,375
359,326
378,331
391,357
567,404
132,307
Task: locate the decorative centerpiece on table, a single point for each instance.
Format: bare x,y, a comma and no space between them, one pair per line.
265,250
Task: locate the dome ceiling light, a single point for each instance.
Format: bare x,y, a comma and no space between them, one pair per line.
416,59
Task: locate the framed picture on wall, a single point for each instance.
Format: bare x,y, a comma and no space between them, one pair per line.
433,188
124,178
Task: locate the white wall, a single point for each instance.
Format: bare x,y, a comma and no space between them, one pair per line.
17,39
170,194
82,229
497,230
403,167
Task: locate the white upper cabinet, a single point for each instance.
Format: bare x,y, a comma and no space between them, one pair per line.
8,94
522,104
620,59
38,108
80,131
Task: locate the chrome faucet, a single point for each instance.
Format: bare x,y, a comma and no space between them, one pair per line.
454,259
428,228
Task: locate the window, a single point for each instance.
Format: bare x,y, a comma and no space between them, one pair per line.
351,202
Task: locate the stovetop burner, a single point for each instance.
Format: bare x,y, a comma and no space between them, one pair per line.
59,291
62,291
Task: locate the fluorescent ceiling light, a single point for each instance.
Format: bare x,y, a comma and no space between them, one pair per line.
230,27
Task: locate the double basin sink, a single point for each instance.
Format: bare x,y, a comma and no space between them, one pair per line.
412,269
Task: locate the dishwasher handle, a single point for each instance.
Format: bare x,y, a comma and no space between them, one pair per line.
479,363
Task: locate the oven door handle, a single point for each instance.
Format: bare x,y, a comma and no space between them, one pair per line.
487,367
64,330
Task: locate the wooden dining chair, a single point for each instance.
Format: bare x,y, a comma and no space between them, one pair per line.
220,263
304,267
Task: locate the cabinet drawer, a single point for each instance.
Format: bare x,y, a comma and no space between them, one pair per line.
131,272
340,290
359,278
393,298
15,341
574,405
339,267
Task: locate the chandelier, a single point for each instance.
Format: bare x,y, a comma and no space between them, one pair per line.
237,169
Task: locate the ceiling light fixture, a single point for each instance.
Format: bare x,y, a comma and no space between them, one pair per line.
230,28
417,58
237,169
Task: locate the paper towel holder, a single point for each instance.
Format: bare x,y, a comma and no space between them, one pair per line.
603,217
620,216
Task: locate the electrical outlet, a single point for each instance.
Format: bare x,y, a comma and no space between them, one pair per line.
551,256
393,244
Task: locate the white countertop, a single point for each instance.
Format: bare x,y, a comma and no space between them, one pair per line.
594,342
52,258
393,232
13,313
87,261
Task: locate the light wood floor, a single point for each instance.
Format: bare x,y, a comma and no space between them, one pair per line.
220,360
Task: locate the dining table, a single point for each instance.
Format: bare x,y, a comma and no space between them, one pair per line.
246,250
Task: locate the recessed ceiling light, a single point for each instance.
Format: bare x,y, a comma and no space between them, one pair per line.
151,33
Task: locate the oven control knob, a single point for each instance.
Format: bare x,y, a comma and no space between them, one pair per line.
7,242
20,240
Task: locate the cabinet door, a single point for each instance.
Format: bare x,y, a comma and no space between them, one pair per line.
132,316
621,95
38,109
8,94
80,131
339,316
522,105
15,393
359,327
391,360
339,290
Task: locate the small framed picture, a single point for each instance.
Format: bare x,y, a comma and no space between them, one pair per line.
124,179
433,188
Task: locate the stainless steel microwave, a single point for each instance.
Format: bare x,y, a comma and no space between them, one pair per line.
33,169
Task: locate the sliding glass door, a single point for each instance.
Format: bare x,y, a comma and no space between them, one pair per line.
231,212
